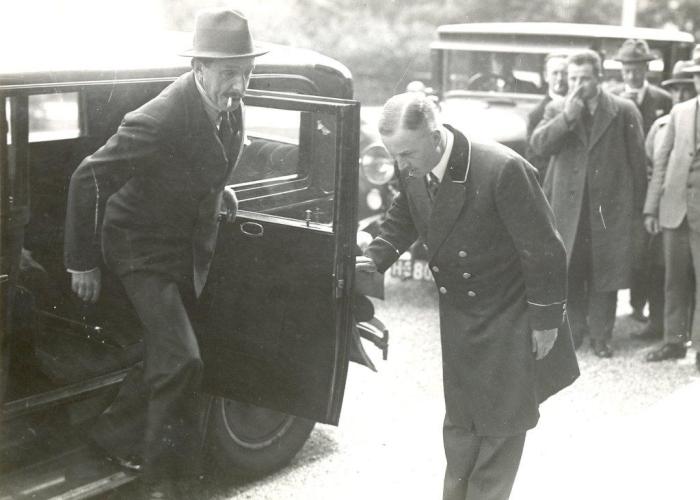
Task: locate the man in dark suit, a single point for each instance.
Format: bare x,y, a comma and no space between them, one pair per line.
652,102
147,202
596,186
500,268
557,87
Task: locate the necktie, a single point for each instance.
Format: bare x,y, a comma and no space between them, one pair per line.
432,184
586,118
226,134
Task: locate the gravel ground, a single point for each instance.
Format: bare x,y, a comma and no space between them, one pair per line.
619,432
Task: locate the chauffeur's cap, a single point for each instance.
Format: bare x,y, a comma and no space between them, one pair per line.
222,34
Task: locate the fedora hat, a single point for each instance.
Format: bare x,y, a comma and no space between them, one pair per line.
695,66
222,34
679,75
634,50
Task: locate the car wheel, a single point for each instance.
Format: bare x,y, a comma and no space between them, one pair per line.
253,441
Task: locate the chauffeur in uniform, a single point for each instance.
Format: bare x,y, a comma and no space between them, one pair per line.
500,268
147,203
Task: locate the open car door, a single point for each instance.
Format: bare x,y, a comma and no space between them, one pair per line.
275,315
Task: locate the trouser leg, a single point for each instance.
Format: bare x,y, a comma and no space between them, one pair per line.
678,283
172,370
694,237
655,291
579,273
639,288
479,467
601,314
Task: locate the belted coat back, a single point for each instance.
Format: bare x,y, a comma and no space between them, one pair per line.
500,269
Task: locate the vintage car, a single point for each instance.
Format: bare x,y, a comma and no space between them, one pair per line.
468,59
275,318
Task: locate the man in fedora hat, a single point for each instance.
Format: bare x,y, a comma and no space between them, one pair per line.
652,102
673,207
144,207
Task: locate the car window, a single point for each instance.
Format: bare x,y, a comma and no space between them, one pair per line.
493,71
288,164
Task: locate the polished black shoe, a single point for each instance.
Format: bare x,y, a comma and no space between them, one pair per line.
131,463
601,348
667,351
649,332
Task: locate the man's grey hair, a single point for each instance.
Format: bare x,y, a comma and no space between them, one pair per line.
587,56
408,111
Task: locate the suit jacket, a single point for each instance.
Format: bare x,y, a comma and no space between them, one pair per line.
149,198
656,103
610,166
500,268
667,196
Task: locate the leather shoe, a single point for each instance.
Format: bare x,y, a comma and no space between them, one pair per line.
649,332
601,348
131,463
667,351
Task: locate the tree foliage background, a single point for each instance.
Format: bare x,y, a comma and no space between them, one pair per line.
385,42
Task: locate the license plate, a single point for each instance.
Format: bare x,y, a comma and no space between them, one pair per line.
409,269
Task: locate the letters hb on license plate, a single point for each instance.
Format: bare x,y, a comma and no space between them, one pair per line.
407,269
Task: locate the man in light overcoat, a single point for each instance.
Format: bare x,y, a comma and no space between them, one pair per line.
596,186
500,270
673,207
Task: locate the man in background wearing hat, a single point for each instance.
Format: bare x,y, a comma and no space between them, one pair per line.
652,102
596,186
673,207
147,203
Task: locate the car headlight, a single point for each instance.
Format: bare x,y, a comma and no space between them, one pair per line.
377,164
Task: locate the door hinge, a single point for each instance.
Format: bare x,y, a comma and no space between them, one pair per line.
339,288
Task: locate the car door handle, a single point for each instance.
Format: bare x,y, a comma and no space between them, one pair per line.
252,229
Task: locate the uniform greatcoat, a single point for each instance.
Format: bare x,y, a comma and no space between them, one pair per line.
500,267
611,164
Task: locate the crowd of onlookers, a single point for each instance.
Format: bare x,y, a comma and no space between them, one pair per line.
620,167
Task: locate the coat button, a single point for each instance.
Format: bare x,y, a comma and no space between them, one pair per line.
436,269
443,290
462,253
466,276
471,294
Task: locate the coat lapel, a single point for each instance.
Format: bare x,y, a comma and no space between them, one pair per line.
451,196
604,114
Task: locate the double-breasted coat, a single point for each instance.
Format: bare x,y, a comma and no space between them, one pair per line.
655,104
500,269
610,163
149,198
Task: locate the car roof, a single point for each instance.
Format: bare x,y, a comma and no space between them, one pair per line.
78,57
567,30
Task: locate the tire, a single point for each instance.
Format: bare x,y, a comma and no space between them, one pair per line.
251,441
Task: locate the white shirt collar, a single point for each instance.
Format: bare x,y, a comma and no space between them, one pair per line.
439,169
640,91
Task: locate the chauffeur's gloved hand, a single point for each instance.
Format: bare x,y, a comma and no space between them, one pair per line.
230,203
365,264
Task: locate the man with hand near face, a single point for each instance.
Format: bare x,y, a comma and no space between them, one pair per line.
500,269
147,204
596,187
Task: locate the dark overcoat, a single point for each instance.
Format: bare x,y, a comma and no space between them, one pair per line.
500,269
655,104
149,198
611,164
